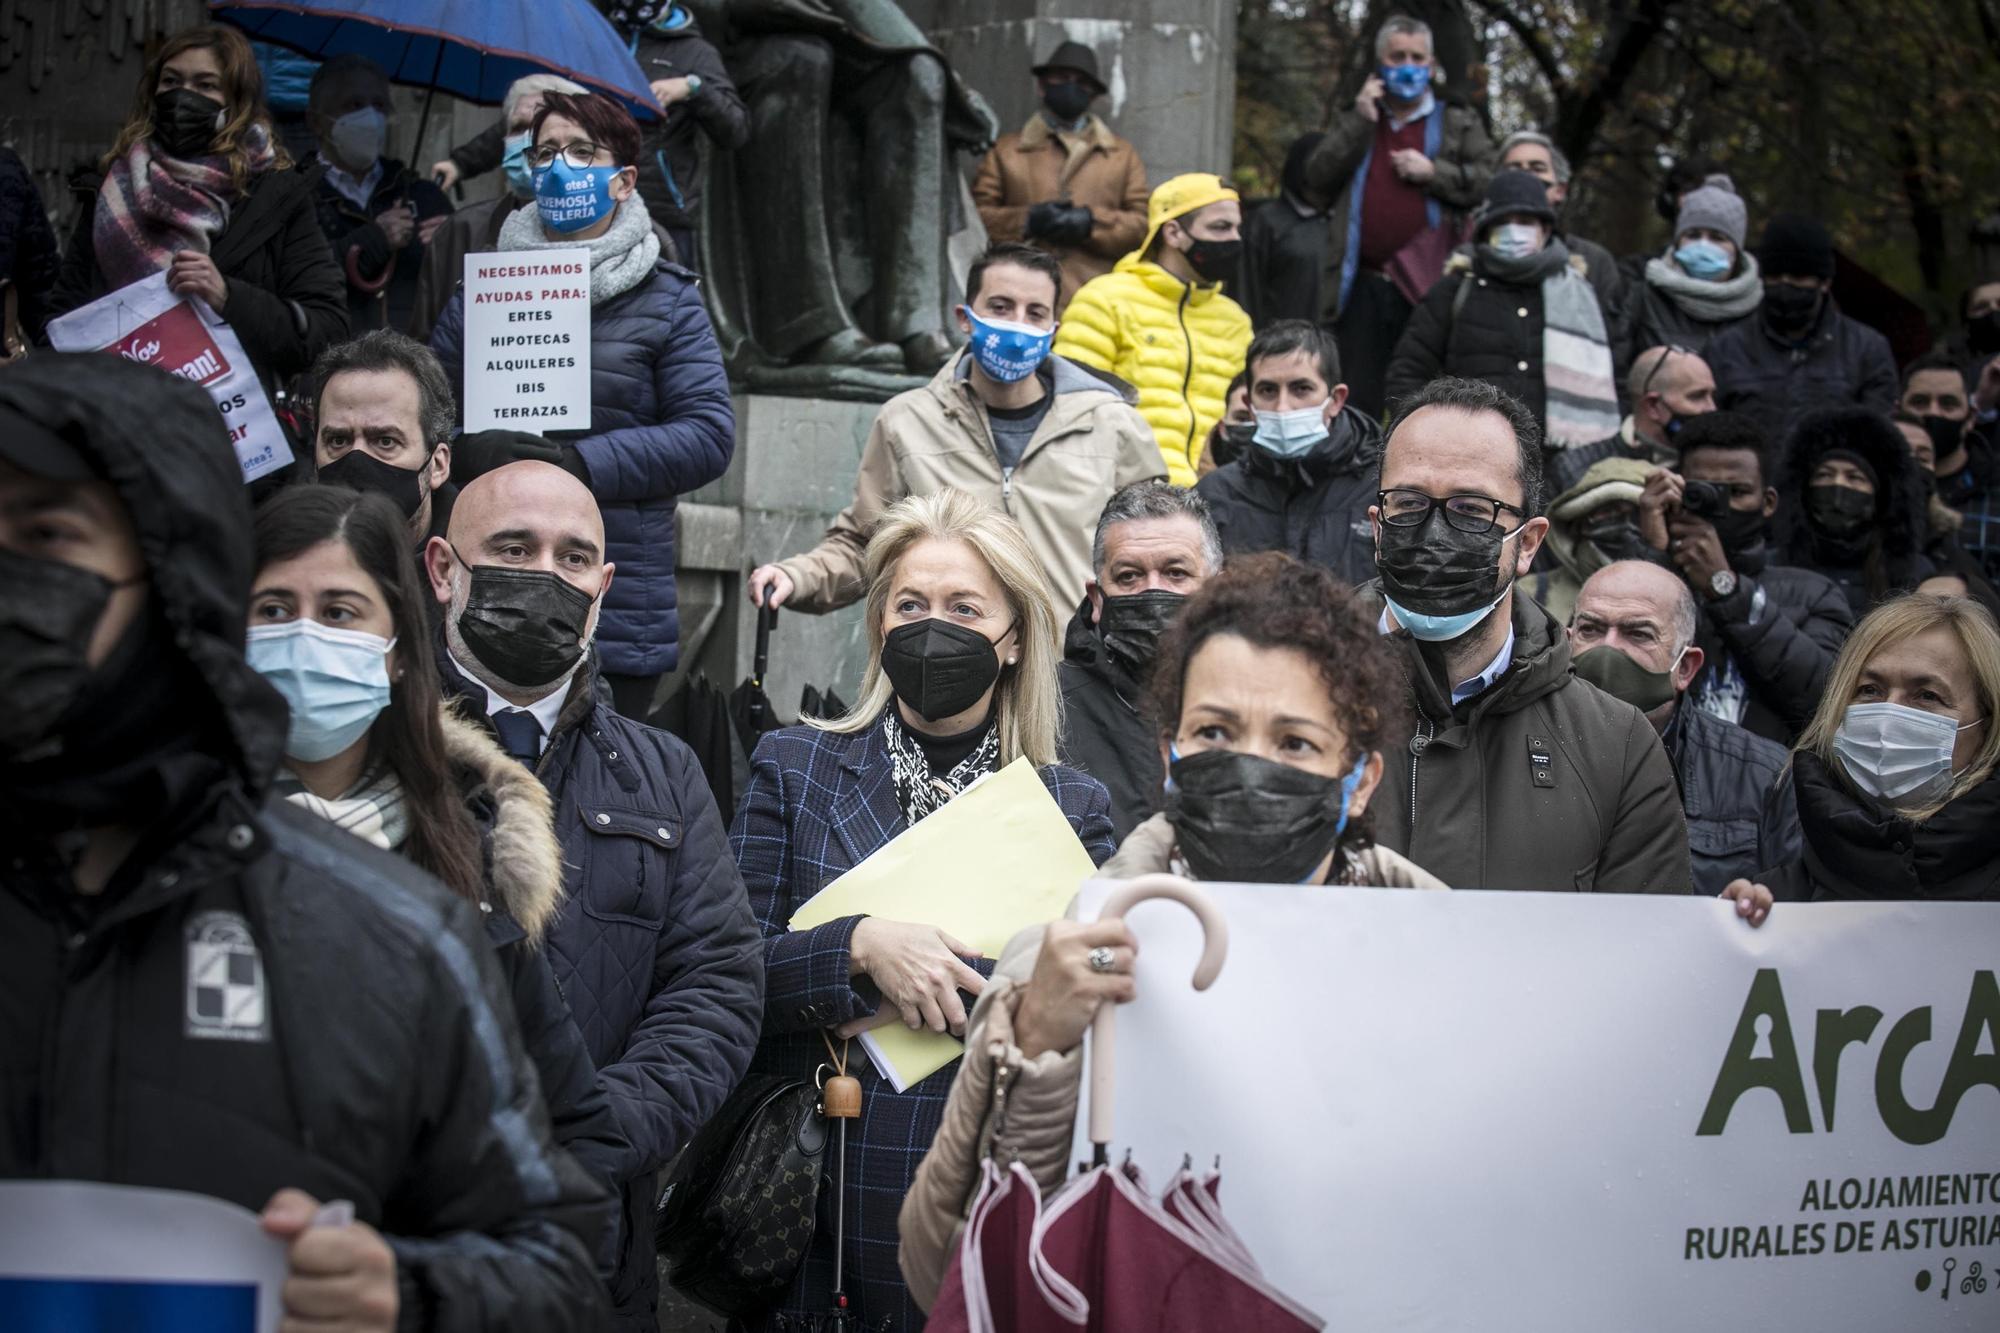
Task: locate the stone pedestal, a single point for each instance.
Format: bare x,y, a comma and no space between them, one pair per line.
1170,66
793,470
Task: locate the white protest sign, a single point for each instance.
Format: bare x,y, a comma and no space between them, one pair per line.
146,322
1573,1112
77,1255
527,340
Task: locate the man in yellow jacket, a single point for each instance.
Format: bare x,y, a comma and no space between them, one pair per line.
1159,319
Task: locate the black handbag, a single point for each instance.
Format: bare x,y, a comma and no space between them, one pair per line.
736,1215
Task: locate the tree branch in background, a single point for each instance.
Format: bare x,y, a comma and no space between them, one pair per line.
1529,36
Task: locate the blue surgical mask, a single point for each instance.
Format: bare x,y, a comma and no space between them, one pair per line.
336,681
1514,240
1704,260
1406,82
520,176
573,198
1291,434
1008,352
1442,629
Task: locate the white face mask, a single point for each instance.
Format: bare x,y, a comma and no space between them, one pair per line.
1515,240
1892,752
1290,434
356,138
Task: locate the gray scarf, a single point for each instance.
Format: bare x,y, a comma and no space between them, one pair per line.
620,259
1709,302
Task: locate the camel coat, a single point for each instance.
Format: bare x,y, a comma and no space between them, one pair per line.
1095,168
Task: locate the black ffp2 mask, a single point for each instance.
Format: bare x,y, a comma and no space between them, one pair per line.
359,470
939,668
1131,626
1243,817
1214,261
1067,101
185,122
526,626
48,612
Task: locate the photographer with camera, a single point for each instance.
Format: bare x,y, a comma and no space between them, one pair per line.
1768,632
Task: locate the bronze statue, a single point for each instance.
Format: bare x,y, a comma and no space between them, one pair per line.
824,236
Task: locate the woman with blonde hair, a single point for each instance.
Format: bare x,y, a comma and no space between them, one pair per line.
1896,775
198,187
963,638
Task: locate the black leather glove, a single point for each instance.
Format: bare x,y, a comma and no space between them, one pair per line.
476,454
1069,224
1040,218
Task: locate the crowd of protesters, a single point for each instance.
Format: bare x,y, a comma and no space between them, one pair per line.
1460,554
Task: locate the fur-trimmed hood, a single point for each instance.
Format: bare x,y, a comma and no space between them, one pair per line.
524,871
1900,494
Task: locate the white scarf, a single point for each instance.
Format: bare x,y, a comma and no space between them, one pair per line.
620,259
371,810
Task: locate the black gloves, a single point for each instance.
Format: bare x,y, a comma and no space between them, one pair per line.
476,454
1058,223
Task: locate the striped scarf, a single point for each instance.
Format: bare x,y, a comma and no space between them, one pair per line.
152,205
1577,380
372,810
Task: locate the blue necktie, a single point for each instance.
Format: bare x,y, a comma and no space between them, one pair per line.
520,734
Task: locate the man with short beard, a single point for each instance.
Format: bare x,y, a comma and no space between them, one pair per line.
655,946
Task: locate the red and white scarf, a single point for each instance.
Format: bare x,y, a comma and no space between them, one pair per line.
152,205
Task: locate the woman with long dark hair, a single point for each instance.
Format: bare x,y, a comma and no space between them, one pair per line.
197,186
338,626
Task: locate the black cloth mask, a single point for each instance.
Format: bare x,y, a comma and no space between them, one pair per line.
1617,539
359,470
1739,529
1131,626
1242,817
938,668
1067,101
1947,434
48,612
1839,511
185,122
1982,333
526,626
1791,310
1214,261
1436,570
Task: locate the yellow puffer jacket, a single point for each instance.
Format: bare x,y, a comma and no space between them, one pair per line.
1178,345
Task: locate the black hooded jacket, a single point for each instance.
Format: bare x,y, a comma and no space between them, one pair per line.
1889,557
257,1000
1104,733
1314,508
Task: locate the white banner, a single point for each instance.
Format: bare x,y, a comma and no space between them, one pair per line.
146,322
527,340
1574,1112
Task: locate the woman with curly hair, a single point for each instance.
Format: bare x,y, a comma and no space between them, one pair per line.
1273,694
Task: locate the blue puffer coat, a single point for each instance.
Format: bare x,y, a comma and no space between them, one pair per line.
654,946
661,424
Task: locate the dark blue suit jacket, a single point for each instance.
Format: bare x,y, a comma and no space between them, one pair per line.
817,805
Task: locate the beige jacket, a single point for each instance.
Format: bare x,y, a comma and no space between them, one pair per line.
1014,1109
1091,443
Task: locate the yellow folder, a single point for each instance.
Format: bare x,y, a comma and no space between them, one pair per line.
998,857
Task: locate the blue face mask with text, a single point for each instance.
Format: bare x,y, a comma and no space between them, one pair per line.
1006,351
520,176
573,198
1406,82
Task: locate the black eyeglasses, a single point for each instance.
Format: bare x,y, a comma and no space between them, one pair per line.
579,155
1660,365
1468,513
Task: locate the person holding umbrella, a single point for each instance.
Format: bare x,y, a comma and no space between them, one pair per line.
196,186
661,419
1276,695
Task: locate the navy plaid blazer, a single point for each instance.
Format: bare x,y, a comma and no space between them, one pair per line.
816,806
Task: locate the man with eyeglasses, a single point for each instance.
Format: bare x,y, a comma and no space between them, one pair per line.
1517,775
1666,386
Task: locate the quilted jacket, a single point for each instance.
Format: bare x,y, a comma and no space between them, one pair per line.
653,945
661,424
817,804
1178,344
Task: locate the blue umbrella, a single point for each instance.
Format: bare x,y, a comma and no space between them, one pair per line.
473,49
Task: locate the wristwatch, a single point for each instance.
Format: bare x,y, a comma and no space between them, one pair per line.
694,84
1721,583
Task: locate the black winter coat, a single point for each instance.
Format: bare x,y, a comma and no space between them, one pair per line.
1858,849
381,283
1889,558
28,256
1284,262
1841,363
1737,797
287,301
1781,631
1314,508
1659,321
1104,734
654,946
258,1000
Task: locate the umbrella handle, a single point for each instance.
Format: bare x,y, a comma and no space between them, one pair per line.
760,661
1215,947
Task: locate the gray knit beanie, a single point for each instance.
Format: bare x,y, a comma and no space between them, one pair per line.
1716,209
